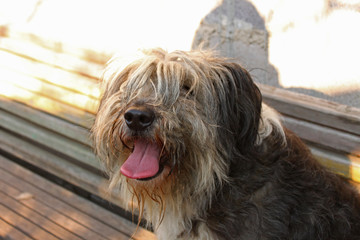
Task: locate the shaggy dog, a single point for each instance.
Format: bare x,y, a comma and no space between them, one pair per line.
186,135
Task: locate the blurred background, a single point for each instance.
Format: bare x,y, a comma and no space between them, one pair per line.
307,46
303,53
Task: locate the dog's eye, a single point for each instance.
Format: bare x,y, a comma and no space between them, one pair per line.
187,90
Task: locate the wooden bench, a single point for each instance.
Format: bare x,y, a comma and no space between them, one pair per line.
49,95
33,208
331,130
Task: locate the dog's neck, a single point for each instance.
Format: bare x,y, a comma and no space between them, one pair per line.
184,221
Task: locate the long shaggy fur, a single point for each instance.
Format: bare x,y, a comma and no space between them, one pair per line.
231,171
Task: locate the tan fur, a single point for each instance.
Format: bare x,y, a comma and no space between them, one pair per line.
269,119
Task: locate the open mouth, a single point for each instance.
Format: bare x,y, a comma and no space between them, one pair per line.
144,162
161,169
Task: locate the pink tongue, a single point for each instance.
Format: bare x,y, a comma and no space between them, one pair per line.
143,162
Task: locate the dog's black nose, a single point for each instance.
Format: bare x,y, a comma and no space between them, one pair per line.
139,118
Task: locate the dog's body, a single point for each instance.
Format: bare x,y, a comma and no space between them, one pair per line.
187,135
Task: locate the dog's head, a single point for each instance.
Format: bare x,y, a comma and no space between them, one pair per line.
174,119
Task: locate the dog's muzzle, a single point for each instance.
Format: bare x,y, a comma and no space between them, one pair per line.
139,118
144,161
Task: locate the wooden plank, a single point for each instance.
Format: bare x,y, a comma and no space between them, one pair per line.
56,76
45,221
55,124
25,225
37,87
38,211
56,165
340,163
48,105
8,231
355,168
53,56
68,216
313,109
52,140
322,135
23,34
74,174
64,200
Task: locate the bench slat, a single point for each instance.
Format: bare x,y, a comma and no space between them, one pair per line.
340,163
50,122
64,208
39,220
42,158
51,56
27,226
311,109
8,231
48,105
97,55
49,139
50,74
37,87
322,135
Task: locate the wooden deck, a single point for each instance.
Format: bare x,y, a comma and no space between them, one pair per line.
31,207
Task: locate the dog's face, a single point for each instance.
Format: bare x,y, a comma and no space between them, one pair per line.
167,119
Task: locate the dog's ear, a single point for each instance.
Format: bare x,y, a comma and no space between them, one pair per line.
240,107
